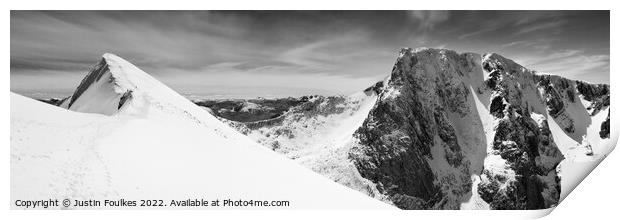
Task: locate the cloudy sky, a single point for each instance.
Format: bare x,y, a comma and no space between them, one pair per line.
264,53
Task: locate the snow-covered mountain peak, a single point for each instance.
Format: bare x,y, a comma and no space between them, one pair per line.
449,130
128,77
114,82
433,101
125,79
116,87
144,140
105,88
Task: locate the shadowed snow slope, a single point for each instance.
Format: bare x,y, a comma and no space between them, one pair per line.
148,142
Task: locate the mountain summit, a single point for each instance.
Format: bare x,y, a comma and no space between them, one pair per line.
126,136
450,130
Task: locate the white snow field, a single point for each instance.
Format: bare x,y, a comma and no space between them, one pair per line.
320,140
577,164
155,144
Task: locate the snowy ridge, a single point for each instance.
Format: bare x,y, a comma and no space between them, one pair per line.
123,89
102,90
318,134
154,144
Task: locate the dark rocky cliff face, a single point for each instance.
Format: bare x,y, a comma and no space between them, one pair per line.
450,131
561,93
397,138
598,93
414,118
553,98
522,139
94,75
53,101
598,96
522,142
605,127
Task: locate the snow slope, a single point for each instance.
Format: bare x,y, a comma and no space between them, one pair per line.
578,164
318,134
154,144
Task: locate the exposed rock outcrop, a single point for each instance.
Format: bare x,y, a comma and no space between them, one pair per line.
444,130
410,123
522,141
605,127
596,94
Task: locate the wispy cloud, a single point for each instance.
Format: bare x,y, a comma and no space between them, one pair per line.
478,32
545,26
428,19
540,45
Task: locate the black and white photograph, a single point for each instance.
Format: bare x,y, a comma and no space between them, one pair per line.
306,109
